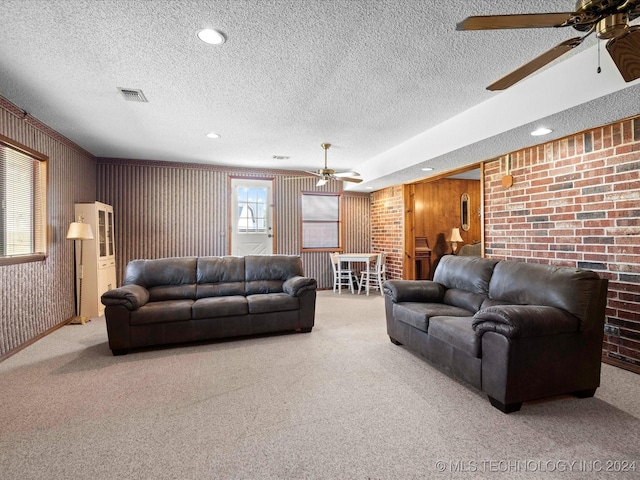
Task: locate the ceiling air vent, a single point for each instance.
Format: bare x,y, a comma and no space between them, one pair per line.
133,95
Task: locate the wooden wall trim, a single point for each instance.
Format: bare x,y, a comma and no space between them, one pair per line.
237,171
42,127
625,365
33,340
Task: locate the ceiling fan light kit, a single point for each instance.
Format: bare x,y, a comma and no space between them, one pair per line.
608,18
327,174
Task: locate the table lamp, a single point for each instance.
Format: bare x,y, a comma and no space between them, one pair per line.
454,238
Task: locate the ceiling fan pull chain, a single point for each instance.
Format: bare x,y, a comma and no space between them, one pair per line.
599,69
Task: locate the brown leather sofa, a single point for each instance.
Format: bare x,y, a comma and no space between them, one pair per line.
516,331
186,299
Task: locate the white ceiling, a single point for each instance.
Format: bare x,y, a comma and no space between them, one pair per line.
390,83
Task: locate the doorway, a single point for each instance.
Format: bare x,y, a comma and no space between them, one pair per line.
251,217
434,207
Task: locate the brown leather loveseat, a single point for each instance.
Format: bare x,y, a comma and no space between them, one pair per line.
516,331
187,299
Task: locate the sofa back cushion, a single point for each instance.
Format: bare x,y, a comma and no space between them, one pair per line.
466,280
471,274
220,276
164,278
574,290
460,298
267,273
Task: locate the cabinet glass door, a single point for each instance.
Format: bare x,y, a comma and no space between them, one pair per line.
102,233
110,233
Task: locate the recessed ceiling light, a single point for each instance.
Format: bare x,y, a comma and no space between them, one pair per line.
212,37
213,135
426,169
541,131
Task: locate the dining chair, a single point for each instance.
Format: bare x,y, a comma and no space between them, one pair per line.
374,275
342,276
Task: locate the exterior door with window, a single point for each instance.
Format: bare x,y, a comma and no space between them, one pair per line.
251,217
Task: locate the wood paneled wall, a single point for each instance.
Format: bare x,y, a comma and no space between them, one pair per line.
36,297
436,210
166,209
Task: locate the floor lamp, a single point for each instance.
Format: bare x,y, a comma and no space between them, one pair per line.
79,231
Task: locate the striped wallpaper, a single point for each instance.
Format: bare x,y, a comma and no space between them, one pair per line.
37,296
166,209
161,209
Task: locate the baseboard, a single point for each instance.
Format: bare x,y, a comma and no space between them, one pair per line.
621,364
4,356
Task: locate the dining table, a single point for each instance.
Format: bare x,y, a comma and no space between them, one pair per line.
349,258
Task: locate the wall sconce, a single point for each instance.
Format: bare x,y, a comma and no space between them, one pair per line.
79,231
454,238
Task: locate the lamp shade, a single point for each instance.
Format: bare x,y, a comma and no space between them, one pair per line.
79,231
454,236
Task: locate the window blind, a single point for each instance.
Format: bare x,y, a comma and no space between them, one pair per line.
321,221
22,203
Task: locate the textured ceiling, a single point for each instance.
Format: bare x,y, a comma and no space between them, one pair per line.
391,84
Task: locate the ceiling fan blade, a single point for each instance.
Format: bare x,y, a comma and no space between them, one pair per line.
315,174
346,174
321,182
349,179
625,52
527,20
536,64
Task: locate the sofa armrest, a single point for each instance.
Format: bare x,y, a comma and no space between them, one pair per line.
295,286
414,291
525,321
129,296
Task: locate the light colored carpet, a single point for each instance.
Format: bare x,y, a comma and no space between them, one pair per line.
340,402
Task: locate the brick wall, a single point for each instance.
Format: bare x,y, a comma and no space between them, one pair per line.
387,227
576,202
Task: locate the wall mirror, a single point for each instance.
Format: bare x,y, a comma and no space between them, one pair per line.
464,212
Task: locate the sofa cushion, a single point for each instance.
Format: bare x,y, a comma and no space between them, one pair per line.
471,274
418,314
219,276
267,273
467,300
212,307
165,278
457,332
570,289
172,292
162,312
272,302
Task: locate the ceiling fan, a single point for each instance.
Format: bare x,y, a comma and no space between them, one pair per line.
327,174
608,18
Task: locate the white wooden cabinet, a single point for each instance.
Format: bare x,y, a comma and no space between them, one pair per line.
98,273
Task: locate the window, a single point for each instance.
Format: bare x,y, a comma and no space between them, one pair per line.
321,221
252,210
22,204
